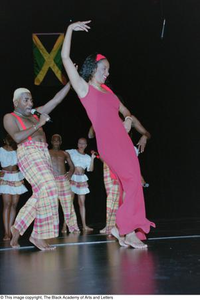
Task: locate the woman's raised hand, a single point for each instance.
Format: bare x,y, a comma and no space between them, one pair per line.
80,26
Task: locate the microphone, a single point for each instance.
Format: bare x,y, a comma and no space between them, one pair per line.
95,153
38,114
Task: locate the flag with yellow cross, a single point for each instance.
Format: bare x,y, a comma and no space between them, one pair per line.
48,67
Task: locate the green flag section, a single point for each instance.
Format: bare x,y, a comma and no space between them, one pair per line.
48,68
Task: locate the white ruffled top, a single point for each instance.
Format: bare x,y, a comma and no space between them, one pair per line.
80,160
8,158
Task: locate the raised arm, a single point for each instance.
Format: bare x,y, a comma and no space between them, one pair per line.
91,133
57,99
79,84
91,168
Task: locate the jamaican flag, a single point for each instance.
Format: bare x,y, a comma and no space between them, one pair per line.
48,68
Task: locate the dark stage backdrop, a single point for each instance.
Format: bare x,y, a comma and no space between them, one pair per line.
158,80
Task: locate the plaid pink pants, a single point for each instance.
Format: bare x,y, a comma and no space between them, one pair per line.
65,197
112,201
42,208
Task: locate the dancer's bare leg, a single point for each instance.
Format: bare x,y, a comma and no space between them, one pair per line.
40,244
132,240
81,202
7,200
64,228
15,237
13,208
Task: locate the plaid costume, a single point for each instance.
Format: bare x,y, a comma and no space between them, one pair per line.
42,208
79,185
65,197
78,182
113,195
11,182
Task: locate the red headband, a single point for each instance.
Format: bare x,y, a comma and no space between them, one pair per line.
99,57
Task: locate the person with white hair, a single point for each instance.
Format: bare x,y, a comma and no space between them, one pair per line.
35,164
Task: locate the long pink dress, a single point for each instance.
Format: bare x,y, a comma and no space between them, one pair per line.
117,150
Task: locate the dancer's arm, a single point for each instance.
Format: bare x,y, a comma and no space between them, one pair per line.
71,165
57,99
91,168
91,133
145,134
16,133
139,127
127,116
78,83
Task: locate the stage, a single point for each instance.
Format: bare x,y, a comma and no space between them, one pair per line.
96,264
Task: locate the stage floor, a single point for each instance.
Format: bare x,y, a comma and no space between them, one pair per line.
95,264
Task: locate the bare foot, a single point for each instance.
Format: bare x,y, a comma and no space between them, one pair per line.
64,229
41,244
6,238
50,247
115,232
15,236
133,241
103,230
86,228
73,229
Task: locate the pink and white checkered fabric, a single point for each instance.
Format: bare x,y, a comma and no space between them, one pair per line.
65,197
42,208
112,201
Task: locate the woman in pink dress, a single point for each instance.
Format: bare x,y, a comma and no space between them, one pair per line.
114,145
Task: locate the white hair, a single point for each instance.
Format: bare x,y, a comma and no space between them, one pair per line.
18,92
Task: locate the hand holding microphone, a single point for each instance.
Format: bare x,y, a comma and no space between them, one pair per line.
43,117
95,153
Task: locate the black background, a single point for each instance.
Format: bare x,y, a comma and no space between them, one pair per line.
158,80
